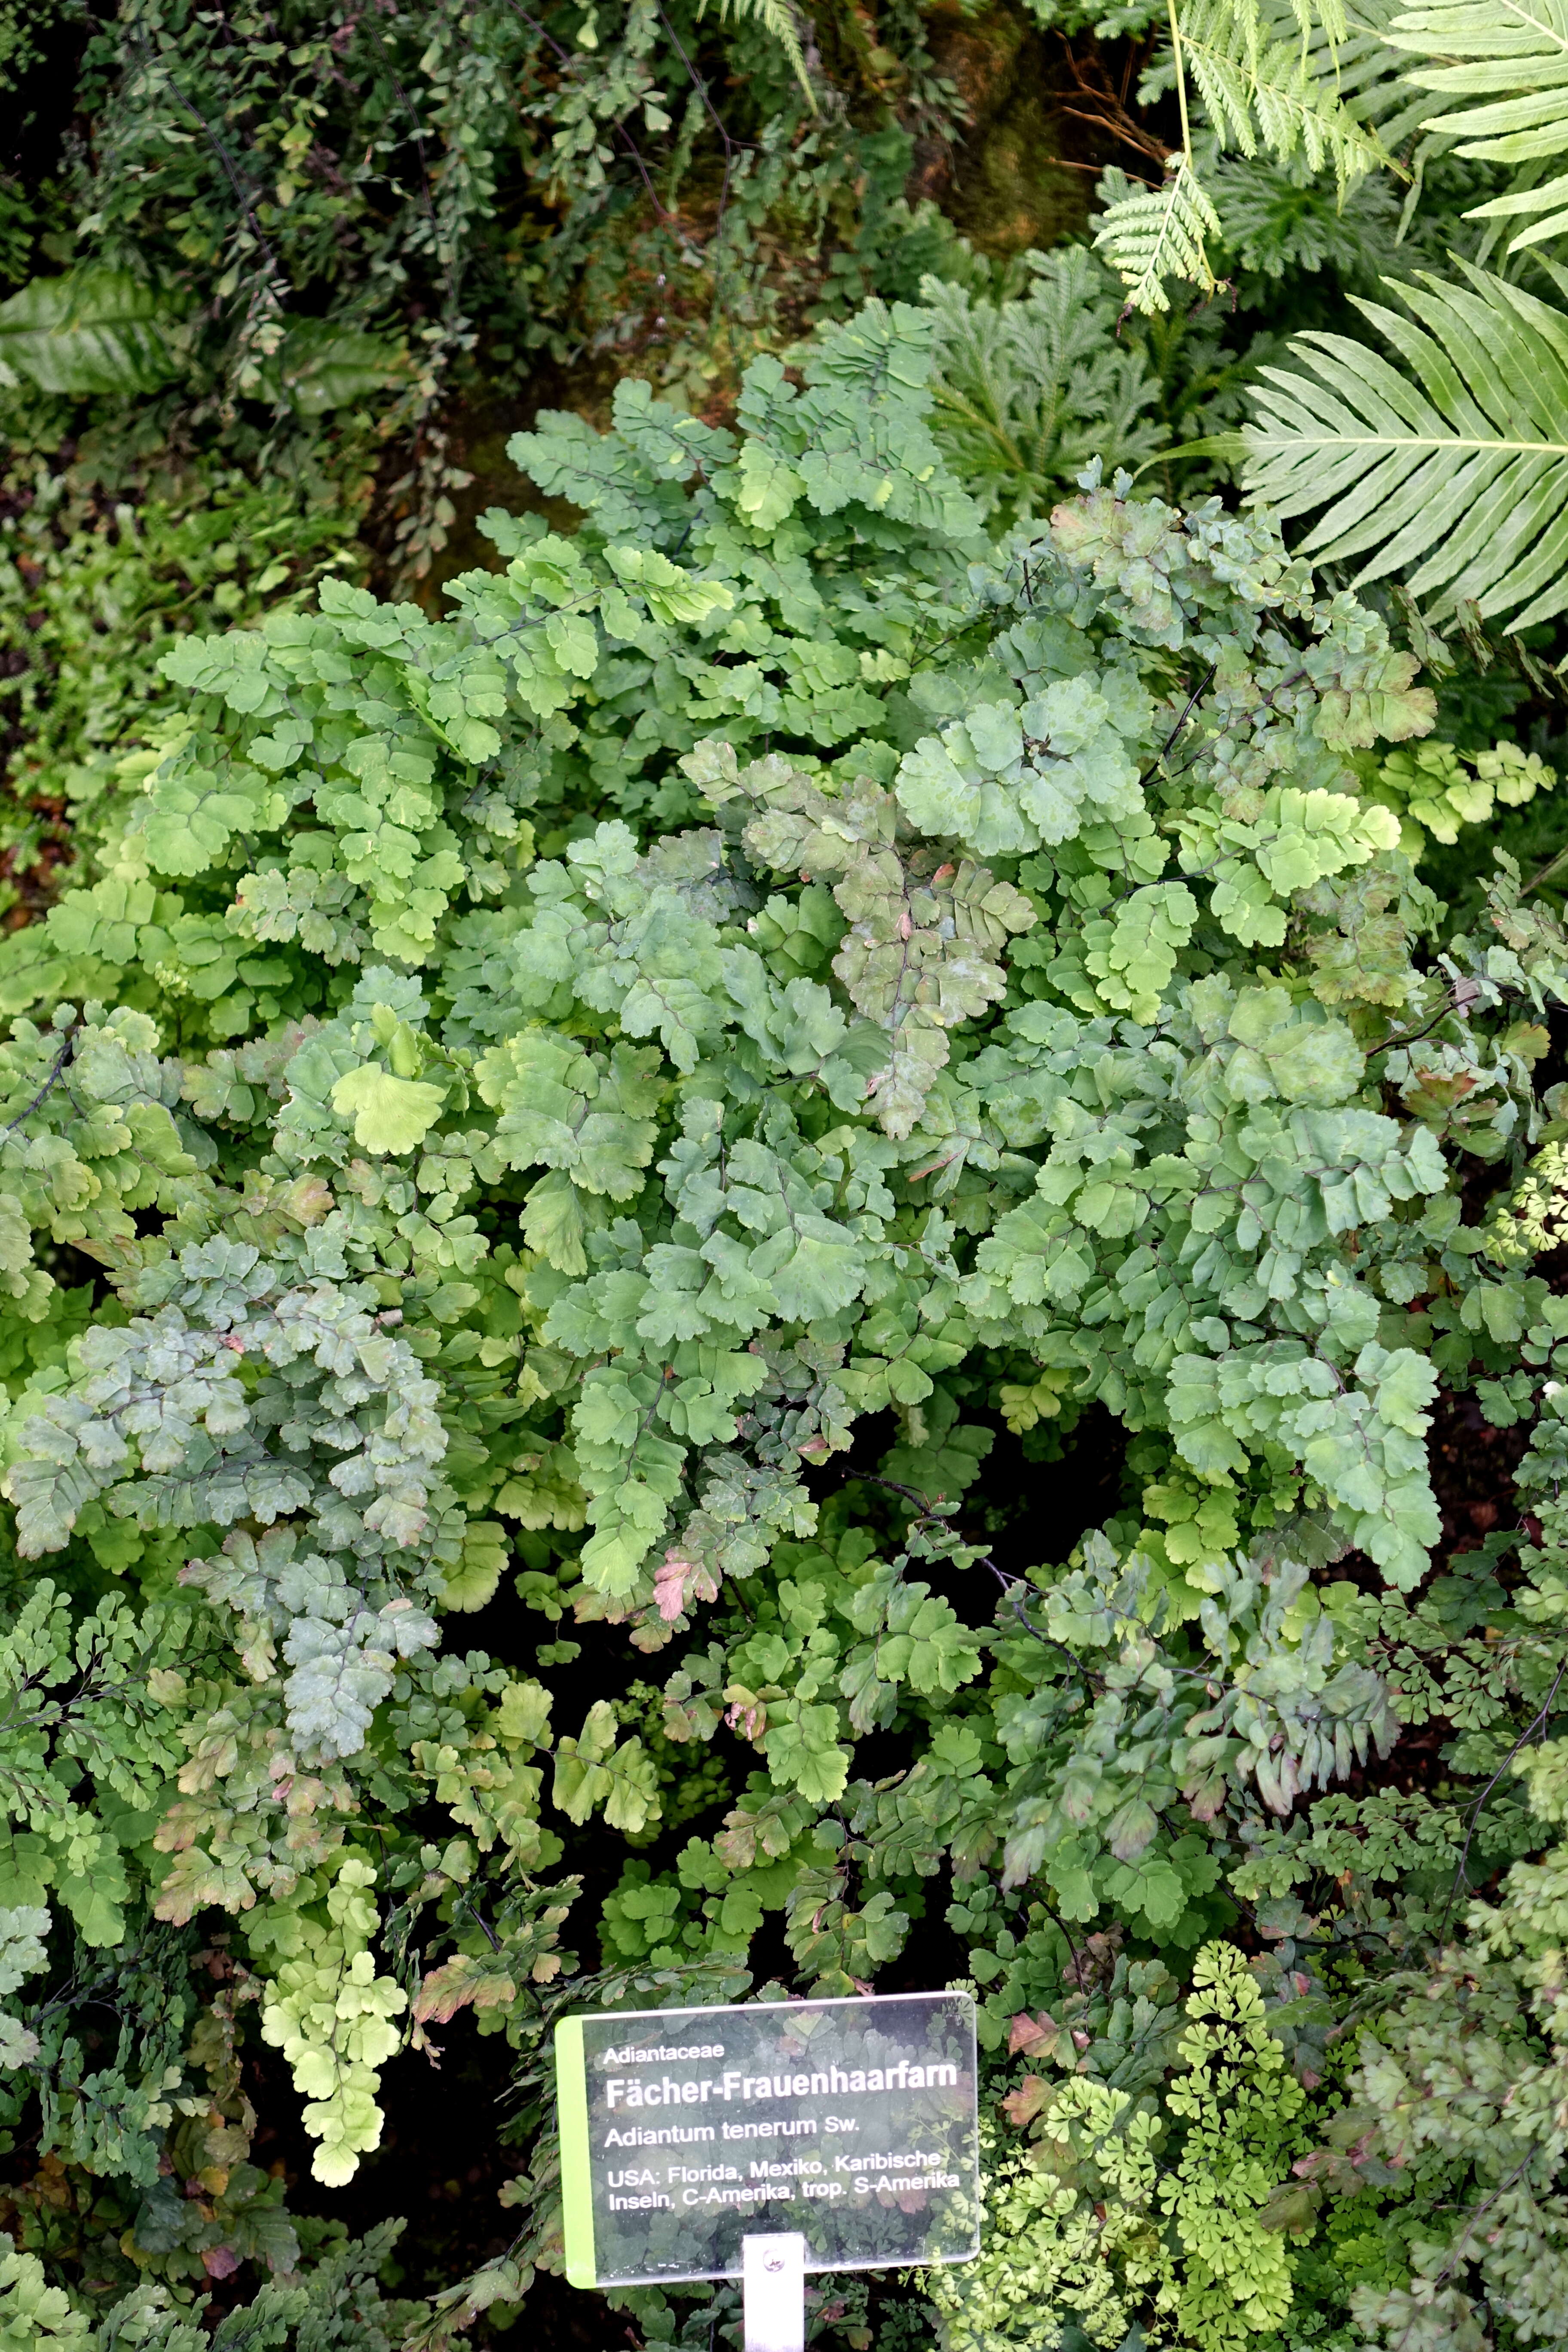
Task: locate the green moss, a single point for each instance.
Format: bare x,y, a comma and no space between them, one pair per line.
1023,173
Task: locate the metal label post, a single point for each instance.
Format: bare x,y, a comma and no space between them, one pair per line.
773,2286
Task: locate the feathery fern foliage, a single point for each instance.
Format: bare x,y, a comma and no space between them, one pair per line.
1454,474
1158,234
778,17
1263,92
1365,69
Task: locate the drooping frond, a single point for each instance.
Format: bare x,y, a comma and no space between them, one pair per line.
778,17
1263,92
1288,76
1365,73
1454,472
1510,55
1158,234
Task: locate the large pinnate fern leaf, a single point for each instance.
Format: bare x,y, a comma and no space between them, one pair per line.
1453,472
1511,57
1366,75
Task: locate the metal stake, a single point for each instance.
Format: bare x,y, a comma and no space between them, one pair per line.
774,2287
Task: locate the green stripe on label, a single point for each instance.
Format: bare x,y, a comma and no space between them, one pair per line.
576,2182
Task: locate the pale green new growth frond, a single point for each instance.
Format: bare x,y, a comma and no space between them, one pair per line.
1265,93
1264,86
778,17
1512,56
1158,234
1454,474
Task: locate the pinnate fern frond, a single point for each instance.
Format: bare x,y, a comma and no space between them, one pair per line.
1265,85
778,17
1160,233
1367,75
1454,472
1510,56
1264,93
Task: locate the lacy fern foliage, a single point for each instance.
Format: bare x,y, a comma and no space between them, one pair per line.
1263,94
1158,234
1029,389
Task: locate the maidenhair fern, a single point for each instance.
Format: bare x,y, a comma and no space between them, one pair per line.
1112,2204
781,969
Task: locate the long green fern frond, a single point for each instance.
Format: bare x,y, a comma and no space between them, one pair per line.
1364,73
1269,75
1160,233
1510,55
1454,473
1263,92
778,17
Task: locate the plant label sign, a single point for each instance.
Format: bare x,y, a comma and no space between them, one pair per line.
684,2131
